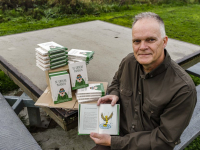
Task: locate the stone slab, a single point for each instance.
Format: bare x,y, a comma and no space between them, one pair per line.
110,42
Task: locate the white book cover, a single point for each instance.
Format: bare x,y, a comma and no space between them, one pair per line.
41,51
92,89
60,87
78,74
81,53
52,47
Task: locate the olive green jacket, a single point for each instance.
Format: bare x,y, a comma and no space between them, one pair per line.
155,107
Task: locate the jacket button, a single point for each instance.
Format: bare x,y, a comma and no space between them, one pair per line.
121,90
133,126
176,143
135,110
152,112
139,92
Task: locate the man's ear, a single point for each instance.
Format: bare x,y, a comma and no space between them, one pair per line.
165,40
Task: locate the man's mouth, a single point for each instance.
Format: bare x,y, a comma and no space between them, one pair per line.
144,54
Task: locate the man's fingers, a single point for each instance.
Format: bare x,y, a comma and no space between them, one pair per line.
108,99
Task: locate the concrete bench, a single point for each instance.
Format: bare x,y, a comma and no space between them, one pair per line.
193,129
13,133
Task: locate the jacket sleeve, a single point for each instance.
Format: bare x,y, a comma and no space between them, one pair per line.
173,121
113,89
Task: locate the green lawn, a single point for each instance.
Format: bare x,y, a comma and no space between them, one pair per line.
182,23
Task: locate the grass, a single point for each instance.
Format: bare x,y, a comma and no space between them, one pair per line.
181,22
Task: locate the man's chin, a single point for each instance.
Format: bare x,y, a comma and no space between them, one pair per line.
144,61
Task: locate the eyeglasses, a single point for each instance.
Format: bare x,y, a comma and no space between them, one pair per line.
62,91
79,77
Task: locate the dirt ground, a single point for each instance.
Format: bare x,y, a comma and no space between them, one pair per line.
55,138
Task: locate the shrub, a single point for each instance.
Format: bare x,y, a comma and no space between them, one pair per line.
6,84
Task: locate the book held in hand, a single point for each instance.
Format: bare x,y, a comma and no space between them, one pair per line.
78,74
103,119
60,86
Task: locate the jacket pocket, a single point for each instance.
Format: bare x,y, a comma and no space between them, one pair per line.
125,97
152,112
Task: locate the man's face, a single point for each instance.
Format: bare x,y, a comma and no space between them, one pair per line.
62,92
79,78
148,45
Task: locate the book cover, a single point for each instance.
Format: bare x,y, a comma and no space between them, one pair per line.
43,57
92,89
78,74
59,54
60,87
41,51
52,47
81,53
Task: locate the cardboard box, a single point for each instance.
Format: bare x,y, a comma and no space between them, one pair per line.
45,99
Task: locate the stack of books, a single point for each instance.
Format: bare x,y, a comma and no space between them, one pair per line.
91,93
51,55
77,55
60,86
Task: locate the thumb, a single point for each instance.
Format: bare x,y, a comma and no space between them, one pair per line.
94,135
114,101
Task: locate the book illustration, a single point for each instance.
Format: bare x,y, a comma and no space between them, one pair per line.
79,81
62,94
87,54
106,118
96,87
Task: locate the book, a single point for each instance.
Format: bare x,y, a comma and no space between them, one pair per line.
42,68
91,89
85,55
103,119
78,75
52,47
52,65
60,86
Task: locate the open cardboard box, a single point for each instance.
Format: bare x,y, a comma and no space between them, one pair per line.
45,100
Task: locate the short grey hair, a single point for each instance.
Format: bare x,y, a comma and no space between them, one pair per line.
151,15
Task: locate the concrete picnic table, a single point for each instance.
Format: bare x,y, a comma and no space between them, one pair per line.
109,41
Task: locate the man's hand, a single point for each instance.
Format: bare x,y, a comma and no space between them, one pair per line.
108,99
101,139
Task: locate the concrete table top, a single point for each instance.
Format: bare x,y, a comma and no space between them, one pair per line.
109,41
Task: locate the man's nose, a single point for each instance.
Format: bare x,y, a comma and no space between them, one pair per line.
143,45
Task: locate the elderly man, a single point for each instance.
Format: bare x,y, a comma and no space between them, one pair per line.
157,96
